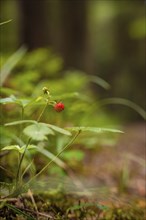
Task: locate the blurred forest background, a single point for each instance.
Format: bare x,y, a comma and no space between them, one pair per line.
100,37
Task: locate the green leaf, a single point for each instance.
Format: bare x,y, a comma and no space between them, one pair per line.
23,102
20,122
18,148
102,207
73,155
13,100
38,131
29,147
94,129
80,206
53,127
40,98
66,96
12,147
4,188
51,156
58,129
8,100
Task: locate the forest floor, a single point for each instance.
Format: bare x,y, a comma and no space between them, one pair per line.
122,167
112,181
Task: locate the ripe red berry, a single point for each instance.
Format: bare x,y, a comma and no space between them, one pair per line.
59,107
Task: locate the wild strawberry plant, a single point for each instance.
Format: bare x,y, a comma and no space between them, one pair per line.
35,135
48,122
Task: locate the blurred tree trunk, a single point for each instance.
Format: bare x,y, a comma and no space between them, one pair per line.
33,23
69,33
61,24
74,32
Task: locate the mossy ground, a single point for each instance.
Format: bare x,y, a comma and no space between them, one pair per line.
69,207
126,200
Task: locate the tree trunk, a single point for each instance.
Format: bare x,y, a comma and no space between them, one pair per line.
61,24
33,23
74,32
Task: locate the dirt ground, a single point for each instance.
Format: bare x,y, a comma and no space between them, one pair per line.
121,168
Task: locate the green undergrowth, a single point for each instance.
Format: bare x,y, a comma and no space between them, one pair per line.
50,119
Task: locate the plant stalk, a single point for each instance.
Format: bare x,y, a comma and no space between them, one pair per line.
29,141
20,163
56,156
42,112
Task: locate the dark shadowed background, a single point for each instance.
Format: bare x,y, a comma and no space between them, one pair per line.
104,38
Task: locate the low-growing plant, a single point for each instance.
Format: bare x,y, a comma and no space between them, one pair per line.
41,135
38,133
54,120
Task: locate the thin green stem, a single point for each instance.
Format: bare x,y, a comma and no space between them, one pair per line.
19,155
56,156
22,113
42,112
29,165
20,162
29,141
22,117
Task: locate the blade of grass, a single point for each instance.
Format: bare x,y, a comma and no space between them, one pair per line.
26,169
56,156
125,102
99,81
11,62
51,156
5,22
18,211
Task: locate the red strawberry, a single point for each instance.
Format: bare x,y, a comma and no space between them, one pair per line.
59,107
